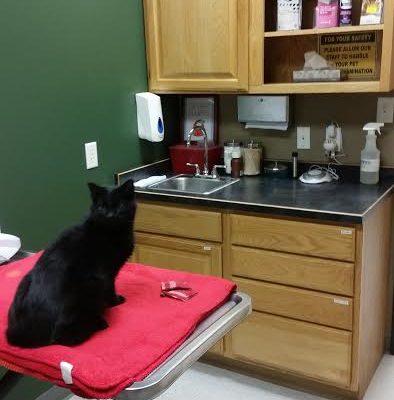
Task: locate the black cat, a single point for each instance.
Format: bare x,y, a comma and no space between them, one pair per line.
62,299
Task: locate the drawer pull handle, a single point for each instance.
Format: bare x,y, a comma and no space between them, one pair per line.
341,301
207,248
346,231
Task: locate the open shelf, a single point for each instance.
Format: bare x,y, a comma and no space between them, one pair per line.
339,29
317,87
284,54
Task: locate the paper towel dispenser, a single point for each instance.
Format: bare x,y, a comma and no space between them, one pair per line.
264,112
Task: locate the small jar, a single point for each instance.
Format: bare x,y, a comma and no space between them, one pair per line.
236,165
231,149
239,153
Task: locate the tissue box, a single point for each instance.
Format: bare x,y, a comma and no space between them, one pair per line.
318,75
180,154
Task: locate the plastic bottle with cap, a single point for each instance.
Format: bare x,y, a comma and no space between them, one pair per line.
237,155
370,155
345,12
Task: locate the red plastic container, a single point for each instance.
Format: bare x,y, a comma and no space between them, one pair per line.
180,154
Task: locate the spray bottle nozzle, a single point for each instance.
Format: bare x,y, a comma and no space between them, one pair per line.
373,127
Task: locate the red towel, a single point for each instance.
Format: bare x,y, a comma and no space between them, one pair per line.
142,332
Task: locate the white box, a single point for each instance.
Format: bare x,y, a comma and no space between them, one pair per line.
289,15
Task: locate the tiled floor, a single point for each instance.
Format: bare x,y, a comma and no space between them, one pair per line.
204,382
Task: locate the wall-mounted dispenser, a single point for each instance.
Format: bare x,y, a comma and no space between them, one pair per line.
264,112
149,117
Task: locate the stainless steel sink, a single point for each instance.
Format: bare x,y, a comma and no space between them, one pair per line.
192,184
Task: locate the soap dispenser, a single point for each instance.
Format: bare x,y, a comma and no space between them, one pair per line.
370,155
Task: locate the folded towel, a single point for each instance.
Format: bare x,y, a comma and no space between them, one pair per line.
149,181
177,290
143,332
172,285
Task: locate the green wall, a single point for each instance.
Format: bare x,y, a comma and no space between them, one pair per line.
69,70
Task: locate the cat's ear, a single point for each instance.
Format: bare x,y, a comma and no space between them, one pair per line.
96,191
127,187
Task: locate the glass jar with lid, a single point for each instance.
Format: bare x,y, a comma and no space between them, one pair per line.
253,154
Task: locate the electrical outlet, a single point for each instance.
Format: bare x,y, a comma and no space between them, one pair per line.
385,110
303,137
91,155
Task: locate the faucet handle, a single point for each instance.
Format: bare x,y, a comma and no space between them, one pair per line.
195,166
214,170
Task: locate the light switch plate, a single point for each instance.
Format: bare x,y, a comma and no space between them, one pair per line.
91,155
303,137
385,110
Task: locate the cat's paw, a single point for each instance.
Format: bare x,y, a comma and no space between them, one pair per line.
118,299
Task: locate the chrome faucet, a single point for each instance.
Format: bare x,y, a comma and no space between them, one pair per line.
199,126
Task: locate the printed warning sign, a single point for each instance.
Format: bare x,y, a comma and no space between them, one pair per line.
353,53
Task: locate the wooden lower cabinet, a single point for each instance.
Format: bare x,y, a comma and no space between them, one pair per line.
318,289
311,350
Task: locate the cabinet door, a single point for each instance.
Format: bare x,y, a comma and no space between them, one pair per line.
182,255
178,254
197,45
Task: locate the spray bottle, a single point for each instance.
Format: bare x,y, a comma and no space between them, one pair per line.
370,155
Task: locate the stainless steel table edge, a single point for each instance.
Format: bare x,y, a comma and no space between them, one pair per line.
207,334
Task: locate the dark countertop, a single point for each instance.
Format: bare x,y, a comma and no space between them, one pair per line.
345,200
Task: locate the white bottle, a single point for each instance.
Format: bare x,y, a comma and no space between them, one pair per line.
370,155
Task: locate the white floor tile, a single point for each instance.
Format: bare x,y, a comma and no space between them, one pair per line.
382,384
205,382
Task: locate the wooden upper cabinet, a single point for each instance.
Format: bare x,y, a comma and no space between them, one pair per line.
197,45
274,55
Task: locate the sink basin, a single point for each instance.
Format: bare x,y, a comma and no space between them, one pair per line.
192,184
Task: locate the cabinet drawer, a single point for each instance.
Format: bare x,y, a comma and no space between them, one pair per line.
178,254
307,349
305,305
307,238
175,221
290,269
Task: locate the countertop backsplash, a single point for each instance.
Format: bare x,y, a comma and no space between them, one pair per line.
350,111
